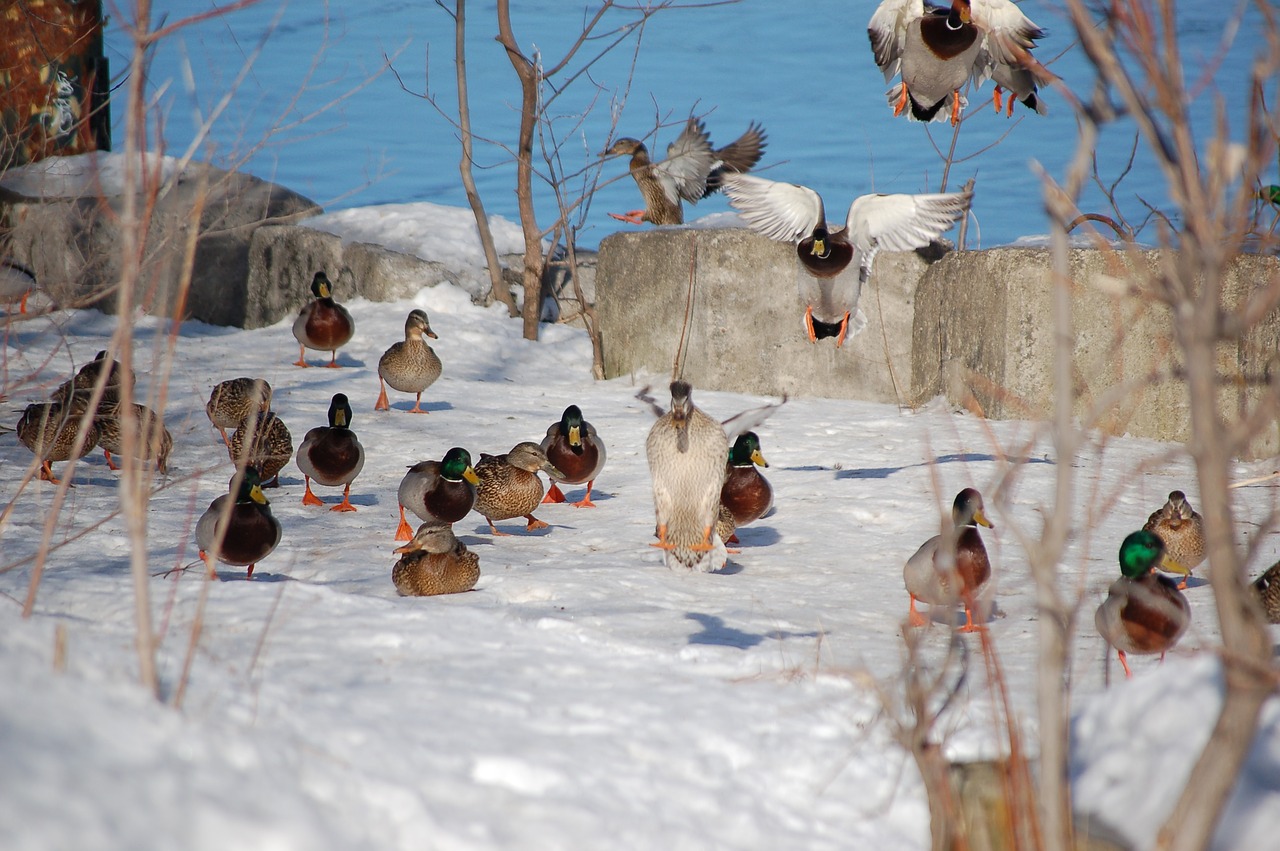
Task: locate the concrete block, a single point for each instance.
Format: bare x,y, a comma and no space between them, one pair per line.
381,274
283,259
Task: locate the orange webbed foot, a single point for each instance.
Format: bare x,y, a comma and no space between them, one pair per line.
404,532
901,105
310,498
534,523
808,324
635,217
554,494
383,404
844,330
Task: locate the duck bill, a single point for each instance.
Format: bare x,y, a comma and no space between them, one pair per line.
575,436
757,458
470,475
258,496
980,518
1172,565
407,548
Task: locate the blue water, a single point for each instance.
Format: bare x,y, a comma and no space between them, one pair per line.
803,69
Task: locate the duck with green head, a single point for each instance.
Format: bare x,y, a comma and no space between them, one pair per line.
1144,612
573,447
242,533
952,567
323,324
746,493
332,455
441,491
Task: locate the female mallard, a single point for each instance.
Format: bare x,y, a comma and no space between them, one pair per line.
16,283
792,213
687,452
682,175
82,383
262,441
435,562
575,449
509,485
1181,528
152,437
745,493
410,366
332,455
243,532
50,430
438,491
937,50
233,400
1144,612
952,567
1267,587
323,325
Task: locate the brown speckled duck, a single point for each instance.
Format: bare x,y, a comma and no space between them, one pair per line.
435,562
933,577
438,491
243,533
262,440
233,400
332,455
50,431
410,366
1267,587
153,438
86,378
746,494
509,485
575,449
1144,613
323,324
1181,528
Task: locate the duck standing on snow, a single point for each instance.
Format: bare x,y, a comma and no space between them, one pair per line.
16,283
86,378
234,400
1144,612
410,366
50,430
792,213
441,491
952,567
746,494
691,171
937,50
1181,528
332,455
243,533
435,562
153,438
262,441
509,485
323,324
575,449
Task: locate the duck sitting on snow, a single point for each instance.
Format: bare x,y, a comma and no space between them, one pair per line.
323,324
332,455
952,567
1144,612
435,562
410,366
575,449
441,491
509,485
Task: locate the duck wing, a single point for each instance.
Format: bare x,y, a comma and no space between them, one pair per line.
887,30
683,174
901,222
783,211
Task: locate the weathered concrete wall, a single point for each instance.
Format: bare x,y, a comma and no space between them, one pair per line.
745,331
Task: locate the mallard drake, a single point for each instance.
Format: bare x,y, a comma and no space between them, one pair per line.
323,324
86,378
952,567
438,491
745,493
262,440
16,283
243,533
50,430
792,213
332,455
435,562
153,438
233,400
937,50
1144,612
1181,528
1267,587
410,366
682,175
509,484
575,449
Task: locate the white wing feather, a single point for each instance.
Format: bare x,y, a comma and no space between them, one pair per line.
689,160
888,32
1007,35
782,211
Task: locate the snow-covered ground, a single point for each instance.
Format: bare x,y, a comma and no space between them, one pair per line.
583,695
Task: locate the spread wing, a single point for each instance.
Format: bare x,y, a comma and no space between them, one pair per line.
901,222
683,173
782,211
887,30
749,419
1008,37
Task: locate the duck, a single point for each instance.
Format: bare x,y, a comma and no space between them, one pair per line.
16,283
441,491
262,440
746,494
435,562
1144,613
691,171
1181,528
332,455
82,384
233,400
1267,589
935,576
51,430
323,324
792,213
242,533
410,366
152,437
573,447
509,485
935,51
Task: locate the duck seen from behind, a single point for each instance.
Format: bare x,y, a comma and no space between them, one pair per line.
435,562
323,324
1181,528
51,431
441,491
575,449
952,567
332,455
238,528
1144,612
509,485
262,441
234,400
410,366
